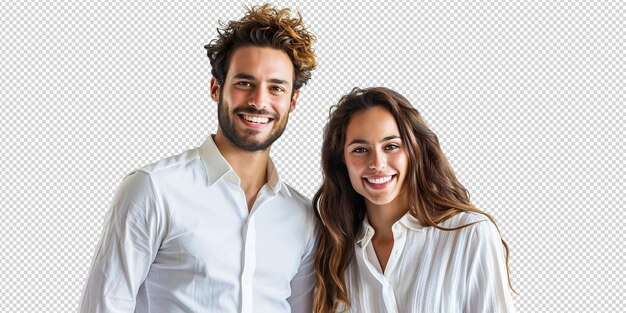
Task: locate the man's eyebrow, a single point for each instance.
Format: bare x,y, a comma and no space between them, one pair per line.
279,81
251,77
244,76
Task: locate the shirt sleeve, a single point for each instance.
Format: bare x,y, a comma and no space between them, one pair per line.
129,243
488,286
301,299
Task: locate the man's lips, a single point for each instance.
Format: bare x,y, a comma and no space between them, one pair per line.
255,118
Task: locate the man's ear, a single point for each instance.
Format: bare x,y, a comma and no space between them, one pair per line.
294,100
215,89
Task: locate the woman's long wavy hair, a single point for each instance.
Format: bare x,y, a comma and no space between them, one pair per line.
431,189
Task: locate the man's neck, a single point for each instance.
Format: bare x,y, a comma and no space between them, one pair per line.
251,167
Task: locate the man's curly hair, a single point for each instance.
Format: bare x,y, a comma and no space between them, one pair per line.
265,26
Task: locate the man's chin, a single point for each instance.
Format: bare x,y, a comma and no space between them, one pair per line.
253,143
253,147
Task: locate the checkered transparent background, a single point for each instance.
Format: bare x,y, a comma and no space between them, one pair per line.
527,98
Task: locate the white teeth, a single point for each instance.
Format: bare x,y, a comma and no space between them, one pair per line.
256,119
380,180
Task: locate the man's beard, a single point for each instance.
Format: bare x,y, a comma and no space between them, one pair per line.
227,126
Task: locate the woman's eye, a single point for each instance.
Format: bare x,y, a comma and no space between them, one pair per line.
392,147
359,150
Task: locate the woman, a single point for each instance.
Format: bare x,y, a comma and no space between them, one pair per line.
400,234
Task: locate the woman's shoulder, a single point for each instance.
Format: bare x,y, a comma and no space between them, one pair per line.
473,225
464,218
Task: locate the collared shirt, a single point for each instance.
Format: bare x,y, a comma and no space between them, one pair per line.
432,270
179,238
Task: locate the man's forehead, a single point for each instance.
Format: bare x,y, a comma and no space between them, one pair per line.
260,63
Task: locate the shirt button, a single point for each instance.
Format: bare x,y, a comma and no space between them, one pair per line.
397,252
397,226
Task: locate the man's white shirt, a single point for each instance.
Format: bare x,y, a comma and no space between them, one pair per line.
179,238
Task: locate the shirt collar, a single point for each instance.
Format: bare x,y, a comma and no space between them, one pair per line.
217,168
410,222
273,178
367,231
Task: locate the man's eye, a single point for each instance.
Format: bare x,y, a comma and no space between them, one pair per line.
277,89
244,84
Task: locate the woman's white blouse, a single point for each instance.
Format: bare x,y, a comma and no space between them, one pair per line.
432,270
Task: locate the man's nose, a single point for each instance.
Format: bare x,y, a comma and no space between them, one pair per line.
258,98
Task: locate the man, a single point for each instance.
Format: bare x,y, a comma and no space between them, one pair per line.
215,229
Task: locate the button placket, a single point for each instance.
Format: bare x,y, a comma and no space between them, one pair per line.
249,265
249,257
389,297
399,240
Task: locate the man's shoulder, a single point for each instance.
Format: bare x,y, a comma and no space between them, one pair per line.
302,200
302,207
174,163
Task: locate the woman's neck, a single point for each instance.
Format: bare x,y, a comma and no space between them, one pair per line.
382,217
